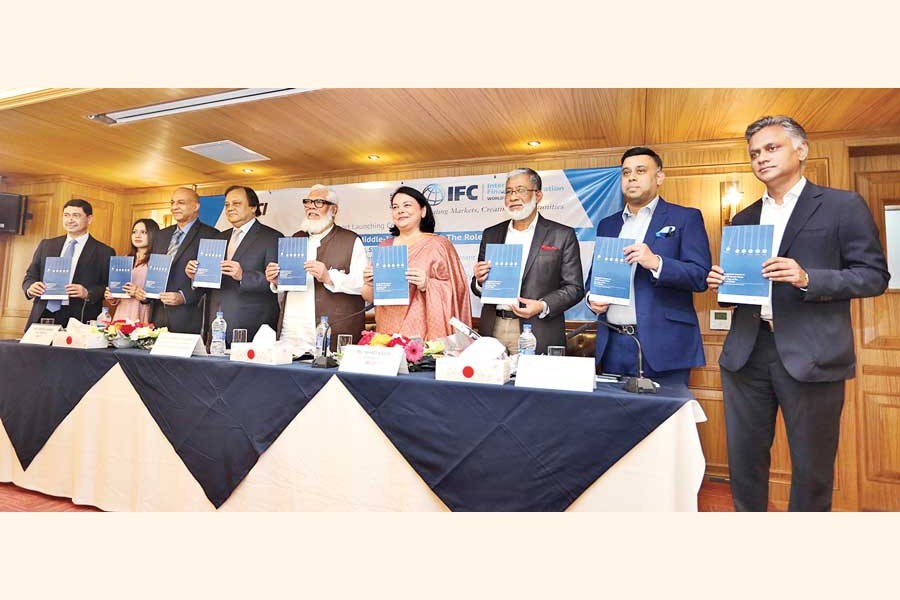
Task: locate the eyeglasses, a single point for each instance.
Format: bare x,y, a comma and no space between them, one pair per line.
317,203
521,192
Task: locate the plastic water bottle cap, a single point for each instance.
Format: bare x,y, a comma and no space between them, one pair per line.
219,314
526,327
324,319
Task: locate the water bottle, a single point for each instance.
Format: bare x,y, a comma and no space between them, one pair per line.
219,327
323,338
527,341
104,320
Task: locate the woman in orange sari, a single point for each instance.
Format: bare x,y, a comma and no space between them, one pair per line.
438,286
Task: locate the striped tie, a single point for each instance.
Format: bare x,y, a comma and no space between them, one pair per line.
176,241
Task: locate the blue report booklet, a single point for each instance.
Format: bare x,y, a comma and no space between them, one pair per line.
611,274
744,250
504,280
157,274
292,277
390,264
210,255
56,278
119,274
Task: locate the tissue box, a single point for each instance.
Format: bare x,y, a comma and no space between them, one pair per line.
276,354
457,368
80,339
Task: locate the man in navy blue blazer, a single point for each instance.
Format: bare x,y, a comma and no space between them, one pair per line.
795,352
671,260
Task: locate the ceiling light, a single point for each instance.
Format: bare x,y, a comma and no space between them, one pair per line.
192,104
534,143
374,157
246,170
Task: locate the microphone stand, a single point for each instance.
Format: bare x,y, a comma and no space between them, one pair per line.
639,384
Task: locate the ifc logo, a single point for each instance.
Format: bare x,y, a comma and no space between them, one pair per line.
433,193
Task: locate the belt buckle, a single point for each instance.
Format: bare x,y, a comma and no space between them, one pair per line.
628,329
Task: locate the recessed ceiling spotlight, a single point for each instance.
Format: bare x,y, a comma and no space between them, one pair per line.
374,157
534,143
246,170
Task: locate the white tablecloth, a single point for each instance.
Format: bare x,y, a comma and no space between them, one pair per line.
110,453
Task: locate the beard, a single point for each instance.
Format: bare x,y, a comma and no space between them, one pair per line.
316,226
523,213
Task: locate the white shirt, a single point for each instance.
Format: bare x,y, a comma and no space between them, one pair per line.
634,227
80,241
299,323
778,215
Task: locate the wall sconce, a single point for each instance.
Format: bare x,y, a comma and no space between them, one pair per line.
730,197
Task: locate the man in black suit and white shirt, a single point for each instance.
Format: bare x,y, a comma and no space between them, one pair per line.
88,276
180,307
245,297
796,352
552,279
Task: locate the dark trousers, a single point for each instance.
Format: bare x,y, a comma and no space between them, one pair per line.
812,414
620,357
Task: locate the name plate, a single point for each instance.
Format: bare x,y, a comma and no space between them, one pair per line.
41,335
274,354
457,368
80,339
183,345
374,360
570,373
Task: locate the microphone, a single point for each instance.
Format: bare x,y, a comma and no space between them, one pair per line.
639,384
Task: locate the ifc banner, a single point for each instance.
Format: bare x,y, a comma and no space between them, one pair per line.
463,207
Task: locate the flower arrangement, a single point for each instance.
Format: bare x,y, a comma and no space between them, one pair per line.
419,356
126,333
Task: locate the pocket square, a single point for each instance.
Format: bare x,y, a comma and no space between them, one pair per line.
549,248
666,231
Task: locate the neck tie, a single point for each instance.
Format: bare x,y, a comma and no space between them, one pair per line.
175,242
68,252
233,243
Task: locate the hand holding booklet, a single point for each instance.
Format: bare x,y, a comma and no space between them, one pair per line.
505,277
157,274
56,278
390,264
611,273
119,274
292,277
744,250
210,255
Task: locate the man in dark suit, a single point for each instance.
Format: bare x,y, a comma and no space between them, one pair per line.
180,307
552,280
245,297
88,276
671,258
796,352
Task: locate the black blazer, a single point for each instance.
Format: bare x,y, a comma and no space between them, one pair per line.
248,303
188,317
552,274
92,271
832,235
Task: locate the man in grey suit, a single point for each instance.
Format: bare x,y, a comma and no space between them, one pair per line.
552,279
180,307
796,352
245,297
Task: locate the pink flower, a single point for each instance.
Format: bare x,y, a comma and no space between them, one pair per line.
398,340
414,351
366,337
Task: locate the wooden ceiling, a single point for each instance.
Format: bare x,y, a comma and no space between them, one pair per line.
333,131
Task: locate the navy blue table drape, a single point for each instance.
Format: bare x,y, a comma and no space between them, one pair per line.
478,447
39,387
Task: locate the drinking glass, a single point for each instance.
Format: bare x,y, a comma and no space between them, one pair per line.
556,350
239,336
344,339
48,321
